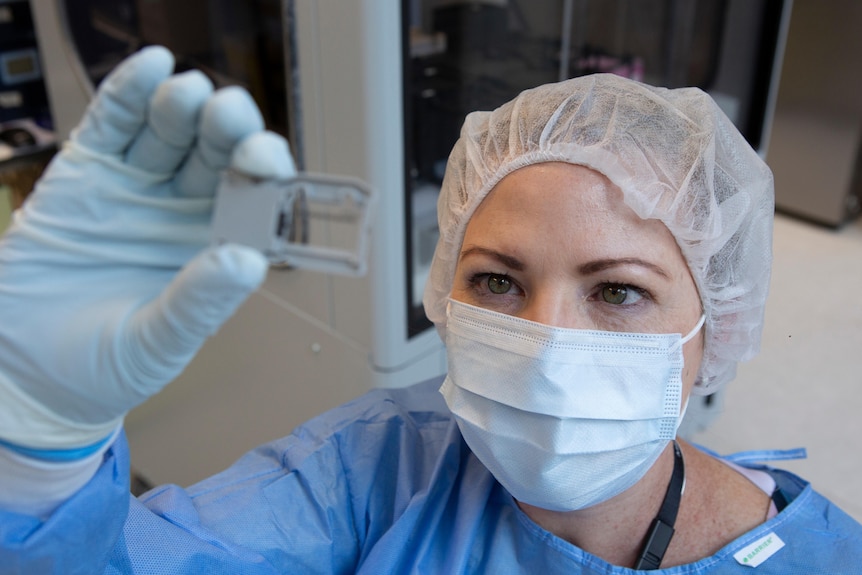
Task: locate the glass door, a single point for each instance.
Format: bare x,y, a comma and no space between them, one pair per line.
235,42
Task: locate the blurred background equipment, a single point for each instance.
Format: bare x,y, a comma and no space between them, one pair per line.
816,151
377,90
26,126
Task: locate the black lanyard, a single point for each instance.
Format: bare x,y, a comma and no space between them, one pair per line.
660,533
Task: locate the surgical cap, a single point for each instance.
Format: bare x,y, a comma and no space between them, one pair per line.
676,157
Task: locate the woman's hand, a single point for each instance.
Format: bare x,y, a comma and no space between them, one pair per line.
107,284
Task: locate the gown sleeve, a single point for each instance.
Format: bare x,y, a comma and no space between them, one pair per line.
79,534
312,502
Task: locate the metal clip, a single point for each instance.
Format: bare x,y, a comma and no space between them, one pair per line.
311,221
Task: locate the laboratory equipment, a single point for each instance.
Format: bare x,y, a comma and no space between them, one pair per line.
375,90
25,118
310,221
22,92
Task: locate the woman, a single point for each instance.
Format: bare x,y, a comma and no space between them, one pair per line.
604,254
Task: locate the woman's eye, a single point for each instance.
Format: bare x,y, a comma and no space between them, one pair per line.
493,289
498,284
619,294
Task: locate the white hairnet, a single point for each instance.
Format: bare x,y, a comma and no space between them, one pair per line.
676,157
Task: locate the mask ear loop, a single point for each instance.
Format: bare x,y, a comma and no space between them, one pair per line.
679,345
694,331
688,337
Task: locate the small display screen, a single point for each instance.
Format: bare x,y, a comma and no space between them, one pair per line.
21,65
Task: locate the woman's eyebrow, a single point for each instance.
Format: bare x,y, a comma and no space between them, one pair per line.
601,265
507,260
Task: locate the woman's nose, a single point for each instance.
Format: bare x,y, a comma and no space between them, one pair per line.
555,309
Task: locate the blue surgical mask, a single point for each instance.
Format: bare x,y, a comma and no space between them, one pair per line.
563,418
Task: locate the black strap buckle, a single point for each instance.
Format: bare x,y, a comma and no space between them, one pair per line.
661,531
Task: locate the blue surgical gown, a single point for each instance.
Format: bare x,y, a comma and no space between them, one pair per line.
384,484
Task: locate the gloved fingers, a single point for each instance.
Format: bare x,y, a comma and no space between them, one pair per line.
228,117
118,112
172,123
263,155
167,332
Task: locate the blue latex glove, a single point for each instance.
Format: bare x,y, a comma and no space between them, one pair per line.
107,286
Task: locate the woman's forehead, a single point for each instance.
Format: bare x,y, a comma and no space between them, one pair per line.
556,199
570,219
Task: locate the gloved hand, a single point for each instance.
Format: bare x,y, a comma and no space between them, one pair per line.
107,286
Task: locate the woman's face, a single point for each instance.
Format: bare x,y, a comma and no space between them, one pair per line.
554,243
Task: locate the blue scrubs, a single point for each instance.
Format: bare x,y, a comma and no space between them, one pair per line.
384,484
